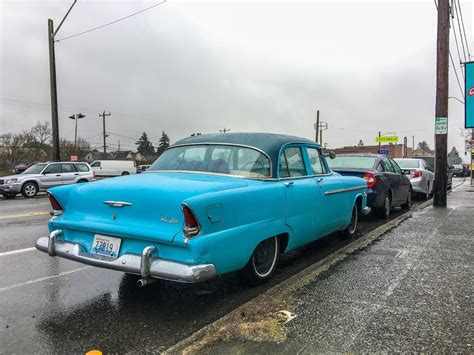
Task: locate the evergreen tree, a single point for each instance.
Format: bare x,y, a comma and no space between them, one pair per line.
424,146
454,157
145,147
163,143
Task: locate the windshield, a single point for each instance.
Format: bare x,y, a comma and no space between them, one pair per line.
408,163
211,158
35,169
352,162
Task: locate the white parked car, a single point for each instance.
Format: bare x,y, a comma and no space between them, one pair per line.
104,168
420,173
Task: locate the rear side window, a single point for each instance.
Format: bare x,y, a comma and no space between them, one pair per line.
68,168
291,163
396,167
387,166
83,168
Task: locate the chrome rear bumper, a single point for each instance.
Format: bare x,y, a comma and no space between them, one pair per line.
146,264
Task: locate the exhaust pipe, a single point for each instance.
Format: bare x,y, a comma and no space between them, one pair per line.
146,281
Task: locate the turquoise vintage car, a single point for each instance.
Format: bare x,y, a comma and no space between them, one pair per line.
210,205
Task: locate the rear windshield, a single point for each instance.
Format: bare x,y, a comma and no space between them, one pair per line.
220,159
352,162
408,163
35,169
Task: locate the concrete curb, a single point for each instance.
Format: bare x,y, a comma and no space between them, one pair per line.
301,278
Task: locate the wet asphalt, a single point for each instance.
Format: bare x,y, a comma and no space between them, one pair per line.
54,305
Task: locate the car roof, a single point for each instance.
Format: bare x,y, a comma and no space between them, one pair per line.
380,156
269,143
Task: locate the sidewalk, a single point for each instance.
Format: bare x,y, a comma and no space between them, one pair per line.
412,290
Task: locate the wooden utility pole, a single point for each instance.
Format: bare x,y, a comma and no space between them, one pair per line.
52,82
54,95
103,115
442,87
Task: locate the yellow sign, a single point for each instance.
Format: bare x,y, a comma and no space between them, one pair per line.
387,139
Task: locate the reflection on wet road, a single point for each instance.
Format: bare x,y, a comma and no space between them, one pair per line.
55,305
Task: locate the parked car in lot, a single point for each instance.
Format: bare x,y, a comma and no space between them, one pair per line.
388,186
210,205
420,173
42,176
108,168
21,167
142,168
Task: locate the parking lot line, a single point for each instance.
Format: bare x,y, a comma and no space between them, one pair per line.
11,252
29,214
42,279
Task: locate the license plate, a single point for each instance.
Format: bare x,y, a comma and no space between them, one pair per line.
105,245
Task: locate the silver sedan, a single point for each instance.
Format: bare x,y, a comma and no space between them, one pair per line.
420,173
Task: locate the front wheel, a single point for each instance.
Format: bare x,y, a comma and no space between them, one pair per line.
349,232
262,264
29,190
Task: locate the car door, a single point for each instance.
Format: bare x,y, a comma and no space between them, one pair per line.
392,179
52,176
70,173
328,216
302,195
404,183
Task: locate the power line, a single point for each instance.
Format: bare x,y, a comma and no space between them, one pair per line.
456,40
460,32
111,23
457,77
464,29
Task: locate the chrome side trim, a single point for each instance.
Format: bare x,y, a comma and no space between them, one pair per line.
131,263
331,192
117,203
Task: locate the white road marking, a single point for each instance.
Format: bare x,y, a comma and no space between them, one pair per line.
30,214
42,279
18,251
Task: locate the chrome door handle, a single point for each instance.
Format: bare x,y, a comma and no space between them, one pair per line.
58,175
319,179
289,183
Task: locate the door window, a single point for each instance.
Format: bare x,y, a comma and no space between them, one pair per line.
68,168
317,164
96,164
291,163
53,169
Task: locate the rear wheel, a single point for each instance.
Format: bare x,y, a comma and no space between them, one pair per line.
349,232
125,173
262,264
426,196
407,204
384,211
29,190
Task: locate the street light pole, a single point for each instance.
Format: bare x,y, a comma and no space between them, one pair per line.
76,117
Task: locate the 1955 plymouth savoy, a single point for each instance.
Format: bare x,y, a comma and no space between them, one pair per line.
211,204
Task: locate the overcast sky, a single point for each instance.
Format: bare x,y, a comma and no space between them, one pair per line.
188,67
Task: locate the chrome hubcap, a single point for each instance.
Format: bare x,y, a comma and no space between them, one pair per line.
264,257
